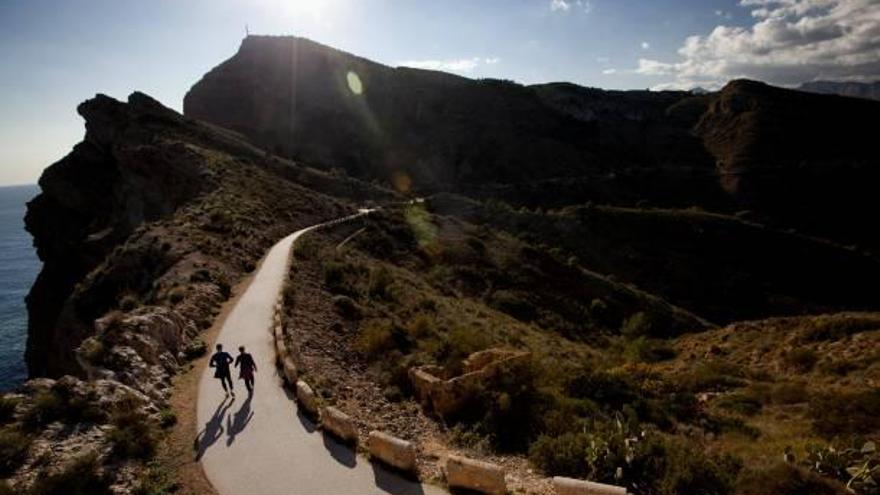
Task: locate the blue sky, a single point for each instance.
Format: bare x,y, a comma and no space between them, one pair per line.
56,54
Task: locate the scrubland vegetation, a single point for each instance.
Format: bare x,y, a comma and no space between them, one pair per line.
605,396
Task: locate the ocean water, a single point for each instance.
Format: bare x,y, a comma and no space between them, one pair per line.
18,269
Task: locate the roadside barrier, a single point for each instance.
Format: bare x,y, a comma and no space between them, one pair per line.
571,486
480,476
397,453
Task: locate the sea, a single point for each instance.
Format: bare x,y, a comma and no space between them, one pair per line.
19,266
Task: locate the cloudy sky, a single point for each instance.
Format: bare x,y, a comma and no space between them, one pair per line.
54,54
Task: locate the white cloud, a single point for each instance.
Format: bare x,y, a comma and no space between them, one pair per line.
646,45
723,13
603,60
560,5
789,42
609,71
461,65
584,6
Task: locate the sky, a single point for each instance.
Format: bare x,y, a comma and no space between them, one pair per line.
55,54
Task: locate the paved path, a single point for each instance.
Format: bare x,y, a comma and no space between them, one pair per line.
261,445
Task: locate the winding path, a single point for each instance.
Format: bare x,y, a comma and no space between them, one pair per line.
262,445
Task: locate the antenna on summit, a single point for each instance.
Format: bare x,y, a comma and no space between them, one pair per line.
247,32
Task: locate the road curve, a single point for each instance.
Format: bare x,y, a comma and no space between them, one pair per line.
262,445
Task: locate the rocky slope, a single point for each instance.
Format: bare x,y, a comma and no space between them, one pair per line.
143,229
844,88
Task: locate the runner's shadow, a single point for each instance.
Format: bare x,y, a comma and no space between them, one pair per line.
236,423
213,429
391,482
341,453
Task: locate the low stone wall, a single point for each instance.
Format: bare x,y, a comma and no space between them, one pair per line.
306,398
339,424
393,451
571,486
446,396
483,477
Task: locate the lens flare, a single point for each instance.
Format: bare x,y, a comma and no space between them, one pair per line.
354,82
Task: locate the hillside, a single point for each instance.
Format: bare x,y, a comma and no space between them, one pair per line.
869,90
661,290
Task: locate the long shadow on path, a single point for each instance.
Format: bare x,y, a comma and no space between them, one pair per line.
395,483
236,423
341,453
213,429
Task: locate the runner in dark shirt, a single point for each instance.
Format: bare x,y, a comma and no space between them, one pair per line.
220,361
247,367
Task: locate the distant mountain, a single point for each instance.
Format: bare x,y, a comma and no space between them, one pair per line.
870,90
795,159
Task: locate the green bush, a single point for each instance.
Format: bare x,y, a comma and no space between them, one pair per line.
7,408
381,283
845,413
81,477
858,466
133,435
6,488
740,403
195,349
61,404
614,452
644,350
785,479
347,307
378,336
14,446
714,375
638,325
516,304
609,390
801,359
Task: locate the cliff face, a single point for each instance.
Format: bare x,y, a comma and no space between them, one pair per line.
140,205
803,160
117,178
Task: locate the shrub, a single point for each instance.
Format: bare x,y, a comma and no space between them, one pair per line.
176,295
132,436
638,325
515,304
128,302
785,479
644,462
644,350
6,488
610,390
845,413
80,477
167,418
381,281
740,403
14,446
461,342
7,408
195,349
59,403
347,307
857,466
801,359
714,375
378,336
